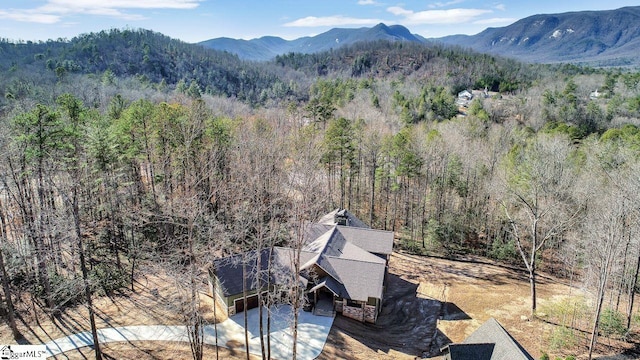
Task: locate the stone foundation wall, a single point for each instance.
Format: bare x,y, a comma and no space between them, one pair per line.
355,313
352,312
338,304
370,313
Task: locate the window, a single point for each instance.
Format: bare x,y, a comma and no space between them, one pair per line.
353,303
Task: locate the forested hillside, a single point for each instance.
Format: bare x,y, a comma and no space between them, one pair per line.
268,47
127,147
605,38
151,57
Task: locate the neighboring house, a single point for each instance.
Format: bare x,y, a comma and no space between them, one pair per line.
489,342
464,98
343,267
595,95
465,95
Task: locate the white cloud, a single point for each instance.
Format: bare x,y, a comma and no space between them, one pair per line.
367,2
397,10
24,16
450,16
124,4
445,4
338,20
495,21
54,10
501,7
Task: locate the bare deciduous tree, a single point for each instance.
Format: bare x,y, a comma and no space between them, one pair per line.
307,203
537,200
604,229
6,288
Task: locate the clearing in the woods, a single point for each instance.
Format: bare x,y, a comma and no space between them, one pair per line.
429,302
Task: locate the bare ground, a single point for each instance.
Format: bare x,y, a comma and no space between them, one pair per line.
431,302
153,350
154,302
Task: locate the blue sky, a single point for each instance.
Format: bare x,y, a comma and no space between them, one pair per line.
198,20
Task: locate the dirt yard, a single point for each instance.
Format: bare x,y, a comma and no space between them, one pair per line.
429,303
153,302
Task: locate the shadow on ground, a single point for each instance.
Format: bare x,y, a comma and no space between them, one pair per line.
407,323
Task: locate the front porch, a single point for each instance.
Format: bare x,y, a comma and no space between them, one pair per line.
324,304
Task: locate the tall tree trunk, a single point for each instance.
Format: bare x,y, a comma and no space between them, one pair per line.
602,285
632,292
5,280
215,320
532,283
40,248
624,269
195,324
373,192
133,251
260,307
149,165
244,302
115,235
269,302
85,274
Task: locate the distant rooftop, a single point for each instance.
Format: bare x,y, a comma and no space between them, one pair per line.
489,342
338,215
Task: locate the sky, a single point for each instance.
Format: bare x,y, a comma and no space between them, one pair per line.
199,20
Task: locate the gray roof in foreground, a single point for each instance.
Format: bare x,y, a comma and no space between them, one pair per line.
491,332
471,351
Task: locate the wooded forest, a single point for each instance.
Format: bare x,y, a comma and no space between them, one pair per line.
124,148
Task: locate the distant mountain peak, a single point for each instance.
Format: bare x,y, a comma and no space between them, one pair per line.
381,26
597,38
268,47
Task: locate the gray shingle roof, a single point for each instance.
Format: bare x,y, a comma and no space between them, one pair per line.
471,351
361,280
328,282
333,243
229,269
360,273
506,347
315,230
345,253
374,241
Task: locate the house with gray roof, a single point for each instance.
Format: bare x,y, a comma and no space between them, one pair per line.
343,267
489,342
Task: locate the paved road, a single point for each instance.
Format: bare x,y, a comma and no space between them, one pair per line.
312,334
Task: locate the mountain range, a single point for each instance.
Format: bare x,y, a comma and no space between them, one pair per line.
599,38
596,38
268,47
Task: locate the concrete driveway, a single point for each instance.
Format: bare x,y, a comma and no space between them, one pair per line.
312,334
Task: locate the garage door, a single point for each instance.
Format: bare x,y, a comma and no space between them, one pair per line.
252,302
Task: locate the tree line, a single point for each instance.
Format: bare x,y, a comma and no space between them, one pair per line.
107,170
